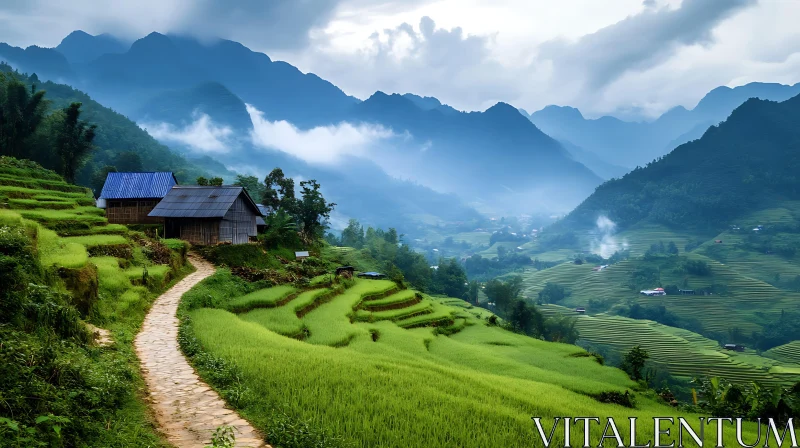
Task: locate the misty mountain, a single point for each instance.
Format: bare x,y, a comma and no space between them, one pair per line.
631,144
47,63
181,107
594,162
80,47
495,157
747,163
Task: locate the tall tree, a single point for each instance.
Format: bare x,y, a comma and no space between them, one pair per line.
353,235
279,192
254,188
313,211
21,112
74,141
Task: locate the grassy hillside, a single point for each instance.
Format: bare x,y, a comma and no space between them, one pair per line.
747,163
362,363
682,353
80,272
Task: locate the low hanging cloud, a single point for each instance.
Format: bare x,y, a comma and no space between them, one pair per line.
324,144
605,243
201,135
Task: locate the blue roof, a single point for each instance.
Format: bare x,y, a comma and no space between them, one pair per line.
137,185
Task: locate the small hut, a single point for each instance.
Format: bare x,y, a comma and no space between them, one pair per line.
345,271
301,255
208,215
129,197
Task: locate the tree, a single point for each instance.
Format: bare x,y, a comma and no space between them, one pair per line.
472,292
279,192
672,249
503,294
21,112
202,181
215,182
281,231
353,235
450,279
634,361
74,141
99,177
254,188
128,161
552,293
313,211
526,319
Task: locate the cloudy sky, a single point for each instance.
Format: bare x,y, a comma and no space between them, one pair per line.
631,58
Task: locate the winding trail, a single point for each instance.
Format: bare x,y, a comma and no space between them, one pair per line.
187,409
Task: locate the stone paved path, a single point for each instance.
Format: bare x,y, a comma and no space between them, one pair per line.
187,409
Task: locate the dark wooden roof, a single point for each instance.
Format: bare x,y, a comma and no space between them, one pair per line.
193,201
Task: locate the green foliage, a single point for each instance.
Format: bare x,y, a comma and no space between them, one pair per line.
223,437
721,398
73,141
634,361
313,211
254,188
553,293
240,255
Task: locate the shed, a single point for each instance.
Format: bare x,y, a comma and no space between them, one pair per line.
372,275
345,271
129,197
580,310
261,225
301,255
208,215
736,347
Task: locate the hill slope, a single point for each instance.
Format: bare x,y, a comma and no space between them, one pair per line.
747,163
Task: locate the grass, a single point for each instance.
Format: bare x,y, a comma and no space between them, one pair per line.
54,250
383,385
682,353
264,298
787,352
97,240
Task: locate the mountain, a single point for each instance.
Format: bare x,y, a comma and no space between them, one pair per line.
119,141
495,157
632,144
80,47
181,107
47,63
747,163
594,162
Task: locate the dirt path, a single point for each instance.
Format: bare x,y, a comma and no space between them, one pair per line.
188,410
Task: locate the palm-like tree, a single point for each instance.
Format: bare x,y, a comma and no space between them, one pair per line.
21,112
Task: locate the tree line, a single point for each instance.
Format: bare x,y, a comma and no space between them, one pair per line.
29,129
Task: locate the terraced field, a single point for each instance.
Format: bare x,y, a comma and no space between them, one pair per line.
787,352
682,353
748,303
358,360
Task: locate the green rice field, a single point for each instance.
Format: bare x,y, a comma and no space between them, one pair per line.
682,353
442,378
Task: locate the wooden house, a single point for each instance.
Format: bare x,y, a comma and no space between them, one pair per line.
208,215
130,197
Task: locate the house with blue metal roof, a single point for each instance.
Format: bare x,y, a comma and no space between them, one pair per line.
129,197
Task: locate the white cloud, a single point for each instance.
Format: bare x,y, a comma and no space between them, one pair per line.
201,135
326,144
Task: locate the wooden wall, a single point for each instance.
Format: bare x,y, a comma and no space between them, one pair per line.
239,223
195,231
131,211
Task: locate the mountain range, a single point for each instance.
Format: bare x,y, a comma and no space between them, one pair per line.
631,144
501,160
747,163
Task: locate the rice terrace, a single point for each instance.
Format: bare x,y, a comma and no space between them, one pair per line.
428,224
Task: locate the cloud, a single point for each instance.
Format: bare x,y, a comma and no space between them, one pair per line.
638,42
280,24
605,244
201,135
325,144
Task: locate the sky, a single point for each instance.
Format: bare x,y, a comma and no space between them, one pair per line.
634,59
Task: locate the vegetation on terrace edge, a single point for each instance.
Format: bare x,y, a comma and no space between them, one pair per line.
61,388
